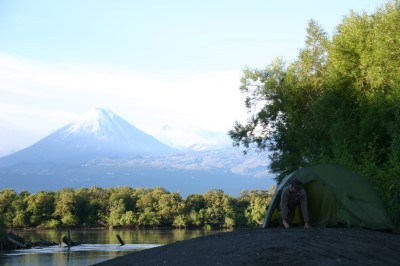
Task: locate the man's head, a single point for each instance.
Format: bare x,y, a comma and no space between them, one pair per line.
296,185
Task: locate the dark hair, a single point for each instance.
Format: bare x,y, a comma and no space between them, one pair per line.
296,183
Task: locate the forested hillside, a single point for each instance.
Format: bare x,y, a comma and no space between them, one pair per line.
338,102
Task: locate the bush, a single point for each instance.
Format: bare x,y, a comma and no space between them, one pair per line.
52,224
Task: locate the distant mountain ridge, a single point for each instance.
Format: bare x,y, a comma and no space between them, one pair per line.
96,134
102,149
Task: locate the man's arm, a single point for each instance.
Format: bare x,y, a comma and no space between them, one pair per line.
284,208
304,209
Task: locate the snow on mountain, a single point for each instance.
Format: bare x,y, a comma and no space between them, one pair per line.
197,147
102,124
97,121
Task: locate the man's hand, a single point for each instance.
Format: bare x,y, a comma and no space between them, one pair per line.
306,225
285,224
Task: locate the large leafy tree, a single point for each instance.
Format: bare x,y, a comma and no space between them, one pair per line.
279,100
339,102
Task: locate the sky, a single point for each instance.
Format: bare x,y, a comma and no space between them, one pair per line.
160,65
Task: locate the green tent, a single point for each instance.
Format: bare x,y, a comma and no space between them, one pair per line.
335,196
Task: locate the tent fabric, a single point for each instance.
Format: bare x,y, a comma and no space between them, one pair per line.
335,196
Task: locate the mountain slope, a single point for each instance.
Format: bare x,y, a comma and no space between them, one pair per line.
96,134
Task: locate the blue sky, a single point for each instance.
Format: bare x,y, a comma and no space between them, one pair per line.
154,63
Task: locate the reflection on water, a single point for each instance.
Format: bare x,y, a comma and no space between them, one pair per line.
97,245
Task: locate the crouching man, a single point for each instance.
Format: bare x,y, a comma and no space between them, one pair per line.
293,196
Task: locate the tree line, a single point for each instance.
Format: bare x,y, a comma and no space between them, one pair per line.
338,102
129,207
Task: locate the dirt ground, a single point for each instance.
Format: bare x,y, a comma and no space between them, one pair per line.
278,246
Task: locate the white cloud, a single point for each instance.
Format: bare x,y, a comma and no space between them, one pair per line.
21,126
183,137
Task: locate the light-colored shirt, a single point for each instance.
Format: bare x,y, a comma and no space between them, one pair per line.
290,199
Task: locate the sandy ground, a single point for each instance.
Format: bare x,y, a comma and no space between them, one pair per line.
278,246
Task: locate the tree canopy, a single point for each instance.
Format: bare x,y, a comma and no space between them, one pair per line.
338,102
129,207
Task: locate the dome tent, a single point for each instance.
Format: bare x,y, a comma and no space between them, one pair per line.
335,196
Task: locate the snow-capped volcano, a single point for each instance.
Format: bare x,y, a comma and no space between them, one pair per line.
102,124
99,133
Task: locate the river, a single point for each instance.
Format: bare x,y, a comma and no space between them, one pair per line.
96,245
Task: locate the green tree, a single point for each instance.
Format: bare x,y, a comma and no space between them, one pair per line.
40,207
219,207
82,206
69,219
170,205
258,203
149,208
7,210
98,207
180,221
65,207
148,217
371,87
279,100
129,218
194,203
125,194
117,212
337,103
19,205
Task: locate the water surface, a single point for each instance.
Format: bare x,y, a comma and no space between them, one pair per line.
96,245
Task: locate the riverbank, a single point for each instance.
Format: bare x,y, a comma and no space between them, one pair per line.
278,246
